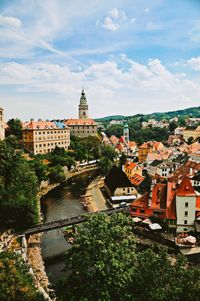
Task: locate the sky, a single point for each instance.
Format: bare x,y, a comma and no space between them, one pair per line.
131,56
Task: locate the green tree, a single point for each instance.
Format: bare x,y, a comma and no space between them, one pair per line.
16,283
56,174
105,165
39,168
172,126
100,264
14,128
18,188
108,152
115,129
104,264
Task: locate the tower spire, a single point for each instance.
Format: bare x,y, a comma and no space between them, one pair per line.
83,106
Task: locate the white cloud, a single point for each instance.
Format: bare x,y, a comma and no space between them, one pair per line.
10,21
109,24
110,88
115,19
117,14
194,63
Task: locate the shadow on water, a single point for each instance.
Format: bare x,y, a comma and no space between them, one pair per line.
62,202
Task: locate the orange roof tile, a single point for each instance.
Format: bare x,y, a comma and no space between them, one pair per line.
170,204
185,188
80,122
144,145
137,179
198,203
39,125
130,165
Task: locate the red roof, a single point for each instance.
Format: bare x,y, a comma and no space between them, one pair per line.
122,139
137,179
171,204
158,199
185,188
39,125
130,165
80,122
144,145
198,203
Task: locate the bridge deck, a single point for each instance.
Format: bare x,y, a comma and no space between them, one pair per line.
43,227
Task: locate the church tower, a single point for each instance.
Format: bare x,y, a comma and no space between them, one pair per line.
126,132
2,127
83,106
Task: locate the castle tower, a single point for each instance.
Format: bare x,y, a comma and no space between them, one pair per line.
83,106
2,127
126,132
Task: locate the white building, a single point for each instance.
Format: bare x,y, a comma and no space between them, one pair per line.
185,206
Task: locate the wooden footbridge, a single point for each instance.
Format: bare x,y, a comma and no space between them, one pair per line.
43,227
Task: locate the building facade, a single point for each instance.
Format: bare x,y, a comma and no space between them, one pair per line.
84,126
83,106
41,137
2,125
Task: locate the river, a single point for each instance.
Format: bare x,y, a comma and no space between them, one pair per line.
61,203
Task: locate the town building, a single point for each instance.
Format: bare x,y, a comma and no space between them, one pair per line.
150,147
2,125
41,137
131,168
177,203
191,131
119,187
82,127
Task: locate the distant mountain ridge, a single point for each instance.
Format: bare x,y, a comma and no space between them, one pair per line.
189,112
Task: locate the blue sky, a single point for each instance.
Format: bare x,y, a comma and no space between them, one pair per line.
132,56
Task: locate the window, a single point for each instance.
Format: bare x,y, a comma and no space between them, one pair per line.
134,209
186,204
185,222
142,211
186,213
185,229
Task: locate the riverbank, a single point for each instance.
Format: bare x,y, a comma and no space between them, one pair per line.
93,198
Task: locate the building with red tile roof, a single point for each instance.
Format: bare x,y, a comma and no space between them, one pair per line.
177,203
41,137
83,126
131,168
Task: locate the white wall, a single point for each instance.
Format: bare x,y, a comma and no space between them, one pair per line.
181,208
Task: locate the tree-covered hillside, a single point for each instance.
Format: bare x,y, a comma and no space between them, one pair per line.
189,112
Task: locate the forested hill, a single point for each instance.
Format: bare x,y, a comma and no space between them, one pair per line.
189,112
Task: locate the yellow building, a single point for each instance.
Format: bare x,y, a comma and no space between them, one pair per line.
143,151
41,137
2,125
191,131
132,168
83,126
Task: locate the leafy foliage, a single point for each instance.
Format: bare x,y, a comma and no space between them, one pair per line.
18,188
106,161
16,284
14,128
99,266
104,264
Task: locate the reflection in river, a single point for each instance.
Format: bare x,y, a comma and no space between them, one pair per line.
61,203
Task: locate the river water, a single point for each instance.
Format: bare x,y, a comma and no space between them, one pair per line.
61,203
